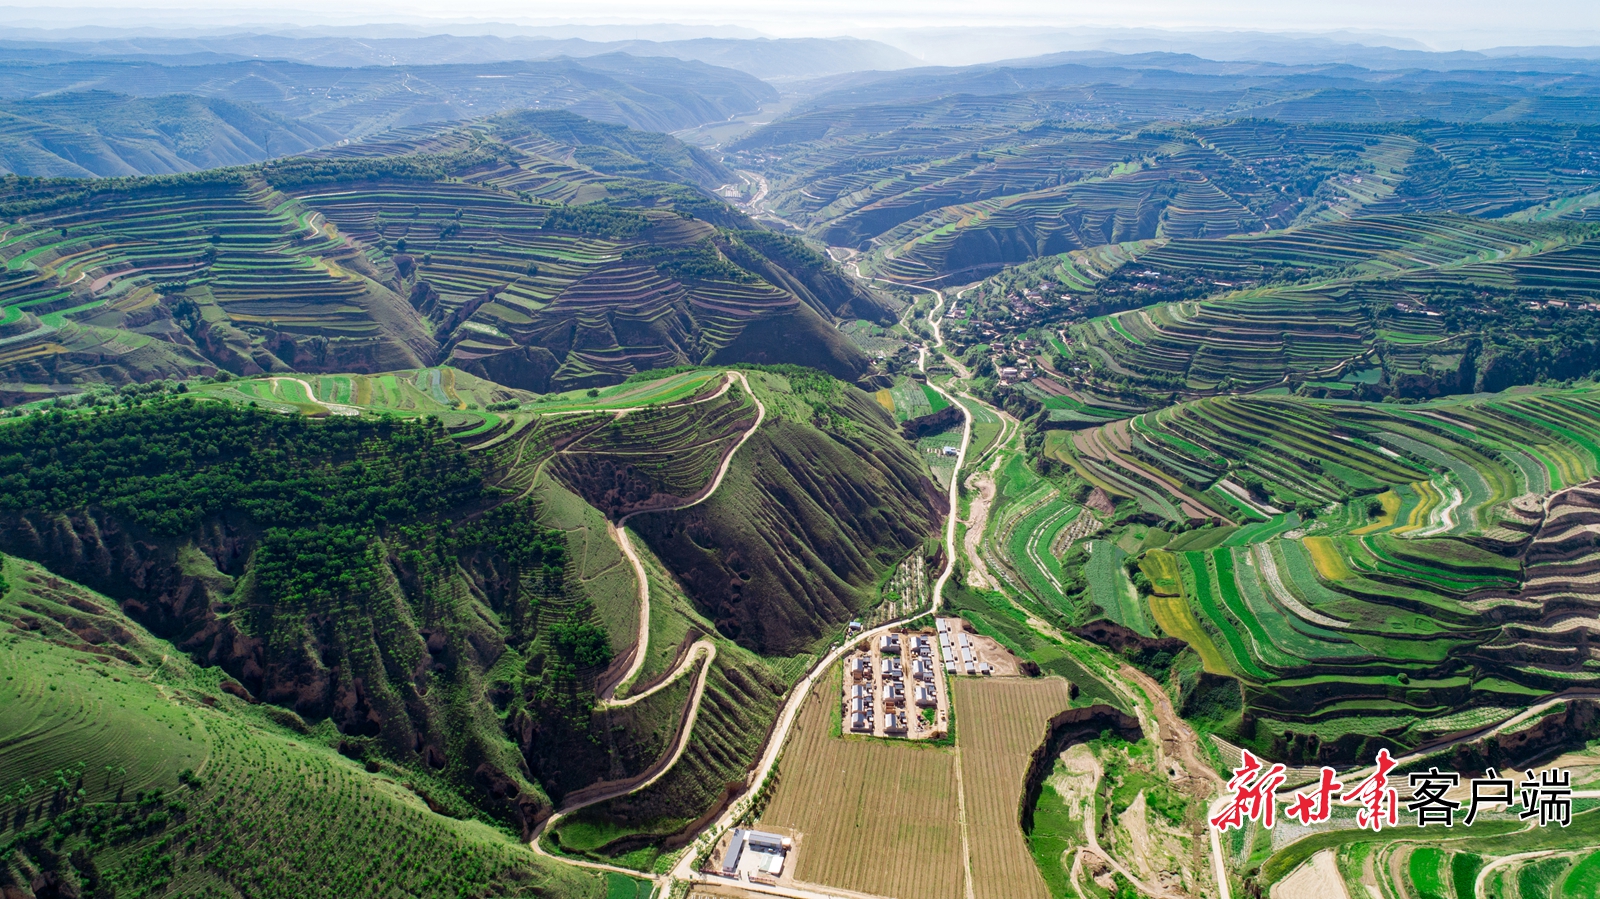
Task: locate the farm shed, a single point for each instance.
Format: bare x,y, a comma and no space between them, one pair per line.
730,861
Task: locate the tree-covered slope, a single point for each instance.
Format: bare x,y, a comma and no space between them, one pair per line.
131,771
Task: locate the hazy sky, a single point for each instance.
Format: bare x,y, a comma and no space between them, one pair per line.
1443,24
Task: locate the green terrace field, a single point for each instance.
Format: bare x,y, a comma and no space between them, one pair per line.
1374,245
1460,462
1027,518
1405,306
442,391
910,399
1417,575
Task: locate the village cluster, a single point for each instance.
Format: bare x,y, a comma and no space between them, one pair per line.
895,685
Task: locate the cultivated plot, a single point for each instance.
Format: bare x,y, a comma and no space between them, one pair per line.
1001,722
874,816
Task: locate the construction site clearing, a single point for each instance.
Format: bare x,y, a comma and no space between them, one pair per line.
964,651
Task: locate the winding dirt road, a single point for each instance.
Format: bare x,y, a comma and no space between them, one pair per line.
619,533
622,788
705,649
791,708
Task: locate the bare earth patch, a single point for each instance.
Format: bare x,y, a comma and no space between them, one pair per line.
1317,878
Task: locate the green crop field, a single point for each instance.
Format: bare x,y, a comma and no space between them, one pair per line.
1328,617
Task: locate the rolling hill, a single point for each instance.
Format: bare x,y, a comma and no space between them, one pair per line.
497,248
784,59
952,187
61,121
101,134
449,609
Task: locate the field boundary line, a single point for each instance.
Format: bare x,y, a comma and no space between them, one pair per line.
961,819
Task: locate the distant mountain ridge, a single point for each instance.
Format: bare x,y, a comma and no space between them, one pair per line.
102,134
766,58
656,93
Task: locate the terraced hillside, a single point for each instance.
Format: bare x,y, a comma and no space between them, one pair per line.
812,515
1405,306
559,136
377,263
937,203
1368,571
464,607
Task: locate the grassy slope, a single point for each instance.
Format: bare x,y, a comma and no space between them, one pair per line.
816,507
130,767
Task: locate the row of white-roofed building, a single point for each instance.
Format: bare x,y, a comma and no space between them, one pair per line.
894,690
882,684
956,648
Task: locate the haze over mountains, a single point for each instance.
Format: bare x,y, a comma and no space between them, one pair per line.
77,102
